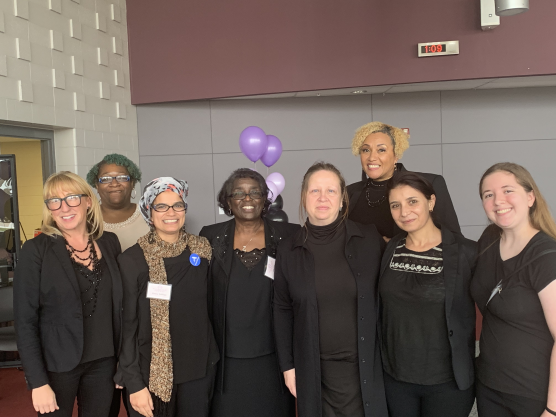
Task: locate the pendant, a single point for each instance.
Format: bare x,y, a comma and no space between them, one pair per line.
244,247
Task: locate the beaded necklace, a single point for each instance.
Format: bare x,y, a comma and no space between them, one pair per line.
93,276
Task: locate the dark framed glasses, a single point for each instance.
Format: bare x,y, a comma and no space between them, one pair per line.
162,208
55,203
253,195
108,179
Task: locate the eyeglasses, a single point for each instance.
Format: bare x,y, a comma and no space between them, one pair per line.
73,200
163,208
240,195
119,178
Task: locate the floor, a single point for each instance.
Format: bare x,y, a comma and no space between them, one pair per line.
15,399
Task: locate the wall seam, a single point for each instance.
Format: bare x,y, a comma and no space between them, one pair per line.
212,158
441,135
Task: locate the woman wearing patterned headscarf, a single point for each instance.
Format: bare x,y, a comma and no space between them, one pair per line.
168,351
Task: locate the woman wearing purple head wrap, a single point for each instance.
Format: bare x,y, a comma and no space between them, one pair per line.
168,351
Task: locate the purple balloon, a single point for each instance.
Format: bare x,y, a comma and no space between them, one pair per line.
273,192
278,180
253,142
273,151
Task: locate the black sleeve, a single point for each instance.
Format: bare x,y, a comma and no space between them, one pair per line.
27,281
205,232
543,271
444,209
129,355
283,316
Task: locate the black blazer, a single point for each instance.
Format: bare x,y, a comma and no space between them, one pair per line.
221,238
459,259
444,211
47,306
296,317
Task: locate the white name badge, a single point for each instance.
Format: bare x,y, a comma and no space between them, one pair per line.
159,291
270,263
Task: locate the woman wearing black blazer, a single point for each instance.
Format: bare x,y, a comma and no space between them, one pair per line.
249,382
168,353
68,302
380,146
325,306
427,313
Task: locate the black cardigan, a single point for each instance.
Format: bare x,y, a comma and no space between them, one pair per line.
47,306
444,211
459,258
296,317
221,238
135,357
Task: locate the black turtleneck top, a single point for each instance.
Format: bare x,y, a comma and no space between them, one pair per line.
373,208
336,291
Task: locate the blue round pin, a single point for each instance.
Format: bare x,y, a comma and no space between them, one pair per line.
195,259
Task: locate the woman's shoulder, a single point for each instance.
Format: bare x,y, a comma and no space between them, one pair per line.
199,245
211,230
355,186
132,253
284,228
368,230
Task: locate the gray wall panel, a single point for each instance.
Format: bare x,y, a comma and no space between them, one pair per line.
174,128
300,123
418,111
464,164
472,232
423,158
499,115
478,128
197,171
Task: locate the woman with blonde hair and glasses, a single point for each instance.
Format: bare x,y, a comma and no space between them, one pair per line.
67,303
515,289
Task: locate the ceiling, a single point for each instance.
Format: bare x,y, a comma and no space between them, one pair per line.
480,84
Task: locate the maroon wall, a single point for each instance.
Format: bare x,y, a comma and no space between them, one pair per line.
197,49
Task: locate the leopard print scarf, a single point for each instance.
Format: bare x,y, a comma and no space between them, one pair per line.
155,250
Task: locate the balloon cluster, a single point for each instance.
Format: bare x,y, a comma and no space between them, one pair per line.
257,145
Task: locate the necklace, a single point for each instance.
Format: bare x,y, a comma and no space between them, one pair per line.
93,276
374,184
374,203
243,249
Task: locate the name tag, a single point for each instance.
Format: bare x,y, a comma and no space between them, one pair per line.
269,270
159,291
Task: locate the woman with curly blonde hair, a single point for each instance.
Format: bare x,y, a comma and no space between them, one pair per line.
380,146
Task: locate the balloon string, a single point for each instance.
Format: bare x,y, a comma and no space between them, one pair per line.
267,171
255,166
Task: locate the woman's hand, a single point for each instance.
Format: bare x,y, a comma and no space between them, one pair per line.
142,402
118,386
289,378
44,399
386,239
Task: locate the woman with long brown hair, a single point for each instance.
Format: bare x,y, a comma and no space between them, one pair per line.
514,287
325,305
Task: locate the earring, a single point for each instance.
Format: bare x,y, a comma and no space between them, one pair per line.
395,167
134,194
230,212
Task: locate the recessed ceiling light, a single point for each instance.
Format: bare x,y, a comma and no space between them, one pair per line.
358,91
